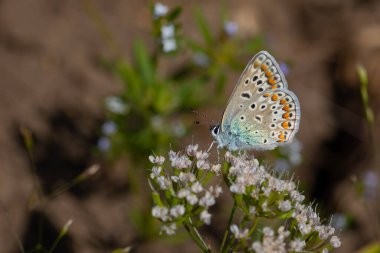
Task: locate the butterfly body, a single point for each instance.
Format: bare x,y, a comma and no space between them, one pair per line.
261,113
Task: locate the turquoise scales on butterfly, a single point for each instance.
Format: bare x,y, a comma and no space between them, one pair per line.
261,113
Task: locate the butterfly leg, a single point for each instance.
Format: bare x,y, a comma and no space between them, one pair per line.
212,144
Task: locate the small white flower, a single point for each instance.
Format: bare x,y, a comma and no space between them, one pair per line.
116,105
183,193
175,179
267,231
177,211
216,168
201,59
187,177
335,242
325,251
163,182
169,230
237,233
201,155
167,31
109,127
325,231
297,245
207,200
156,171
169,45
157,159
257,247
285,205
104,143
180,162
230,28
237,188
191,199
215,191
192,149
205,216
252,210
160,10
160,213
196,187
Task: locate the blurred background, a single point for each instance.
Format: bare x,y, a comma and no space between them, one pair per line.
90,88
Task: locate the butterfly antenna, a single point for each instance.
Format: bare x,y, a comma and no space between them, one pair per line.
197,122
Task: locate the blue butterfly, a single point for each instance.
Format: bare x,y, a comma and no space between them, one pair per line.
261,113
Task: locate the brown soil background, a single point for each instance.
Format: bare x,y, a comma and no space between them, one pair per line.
51,84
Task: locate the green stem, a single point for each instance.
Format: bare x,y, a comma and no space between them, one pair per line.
193,232
223,246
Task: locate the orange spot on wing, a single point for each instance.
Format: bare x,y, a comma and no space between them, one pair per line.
285,125
271,80
286,108
281,137
274,87
283,101
286,115
255,64
268,73
266,95
274,97
264,68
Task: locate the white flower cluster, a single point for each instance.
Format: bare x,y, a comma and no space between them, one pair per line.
169,43
184,191
271,197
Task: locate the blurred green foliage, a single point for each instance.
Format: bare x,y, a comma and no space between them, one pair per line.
154,110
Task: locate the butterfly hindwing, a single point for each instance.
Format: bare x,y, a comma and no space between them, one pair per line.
262,73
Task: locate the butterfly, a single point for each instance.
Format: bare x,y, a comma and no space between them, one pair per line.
261,113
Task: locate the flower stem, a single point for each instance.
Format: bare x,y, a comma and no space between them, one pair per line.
222,248
193,232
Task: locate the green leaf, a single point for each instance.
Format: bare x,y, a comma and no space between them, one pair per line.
203,27
173,14
371,248
144,63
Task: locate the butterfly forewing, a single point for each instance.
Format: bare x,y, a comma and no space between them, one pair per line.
262,73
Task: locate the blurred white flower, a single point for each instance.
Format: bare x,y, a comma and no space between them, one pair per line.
335,242
169,230
109,127
230,28
177,211
201,59
169,45
239,234
116,105
160,10
104,143
285,205
167,31
205,216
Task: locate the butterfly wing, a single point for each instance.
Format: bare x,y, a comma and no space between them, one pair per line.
270,118
261,73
